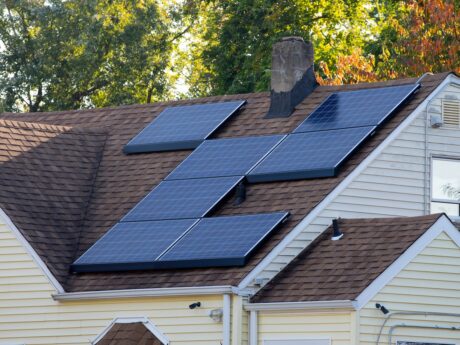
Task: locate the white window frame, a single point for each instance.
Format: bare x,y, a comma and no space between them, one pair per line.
444,201
295,341
421,342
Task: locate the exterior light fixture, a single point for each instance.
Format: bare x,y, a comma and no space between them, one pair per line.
382,308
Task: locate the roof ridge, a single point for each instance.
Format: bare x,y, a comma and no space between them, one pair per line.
8,123
225,97
51,128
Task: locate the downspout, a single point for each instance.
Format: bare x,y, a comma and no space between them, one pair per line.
226,320
253,336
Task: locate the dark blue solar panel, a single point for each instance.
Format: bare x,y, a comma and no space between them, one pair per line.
132,244
356,108
309,155
225,157
181,199
222,241
183,127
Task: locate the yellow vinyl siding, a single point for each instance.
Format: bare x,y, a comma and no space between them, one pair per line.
306,325
429,283
28,314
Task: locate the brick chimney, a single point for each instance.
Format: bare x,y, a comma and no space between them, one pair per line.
293,77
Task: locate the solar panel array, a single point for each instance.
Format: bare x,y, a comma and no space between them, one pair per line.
181,199
310,155
328,136
369,107
171,227
225,157
183,127
222,241
186,243
133,244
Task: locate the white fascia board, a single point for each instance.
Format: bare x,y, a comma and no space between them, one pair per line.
35,257
137,293
451,78
443,224
147,323
314,305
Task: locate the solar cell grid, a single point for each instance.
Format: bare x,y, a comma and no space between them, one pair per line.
182,127
221,241
225,157
309,155
356,108
132,243
180,199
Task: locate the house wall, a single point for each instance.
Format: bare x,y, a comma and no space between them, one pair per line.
28,314
333,325
429,283
393,184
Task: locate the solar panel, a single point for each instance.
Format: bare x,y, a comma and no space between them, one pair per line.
183,127
181,199
225,157
358,108
309,155
132,245
221,241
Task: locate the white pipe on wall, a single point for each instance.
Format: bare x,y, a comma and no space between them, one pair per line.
226,319
253,336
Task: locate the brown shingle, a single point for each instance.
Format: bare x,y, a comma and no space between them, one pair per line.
341,270
129,334
122,180
46,177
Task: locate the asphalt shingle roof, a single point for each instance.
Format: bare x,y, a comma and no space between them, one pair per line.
341,270
129,334
94,195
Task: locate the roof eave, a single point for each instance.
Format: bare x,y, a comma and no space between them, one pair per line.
310,305
154,292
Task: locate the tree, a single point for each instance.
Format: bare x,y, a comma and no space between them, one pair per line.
419,36
239,34
72,54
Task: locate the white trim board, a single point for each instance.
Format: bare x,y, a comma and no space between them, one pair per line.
154,292
261,266
35,257
443,224
144,320
314,305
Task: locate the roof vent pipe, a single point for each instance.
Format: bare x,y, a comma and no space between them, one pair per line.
337,235
292,75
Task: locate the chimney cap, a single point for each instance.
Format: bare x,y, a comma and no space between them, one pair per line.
292,38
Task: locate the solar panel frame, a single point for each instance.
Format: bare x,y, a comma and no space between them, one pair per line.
177,197
167,261
263,174
137,145
317,120
130,242
225,157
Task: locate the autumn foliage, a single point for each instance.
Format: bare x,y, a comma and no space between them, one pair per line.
420,36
